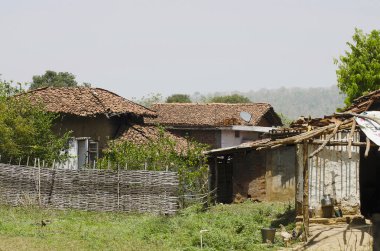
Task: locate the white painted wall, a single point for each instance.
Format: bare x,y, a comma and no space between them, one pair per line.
228,137
332,172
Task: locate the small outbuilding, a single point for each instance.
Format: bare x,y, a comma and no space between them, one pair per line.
216,124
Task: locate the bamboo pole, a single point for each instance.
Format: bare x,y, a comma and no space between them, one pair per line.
350,138
367,147
305,200
39,182
327,140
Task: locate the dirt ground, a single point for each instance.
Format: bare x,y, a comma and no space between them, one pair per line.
345,237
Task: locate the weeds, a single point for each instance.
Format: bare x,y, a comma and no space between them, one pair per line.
229,227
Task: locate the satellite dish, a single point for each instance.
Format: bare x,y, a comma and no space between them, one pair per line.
246,116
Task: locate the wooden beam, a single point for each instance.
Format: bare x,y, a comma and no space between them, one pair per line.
305,199
340,143
350,138
327,140
367,147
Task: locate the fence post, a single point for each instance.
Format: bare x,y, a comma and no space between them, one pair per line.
118,188
39,182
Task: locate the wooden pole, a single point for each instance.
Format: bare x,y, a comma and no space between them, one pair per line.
39,182
368,146
118,188
351,138
305,200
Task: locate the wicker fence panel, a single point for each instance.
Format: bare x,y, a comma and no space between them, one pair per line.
90,189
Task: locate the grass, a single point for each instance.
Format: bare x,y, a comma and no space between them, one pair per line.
230,227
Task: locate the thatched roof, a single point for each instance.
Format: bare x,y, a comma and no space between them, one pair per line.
85,101
213,114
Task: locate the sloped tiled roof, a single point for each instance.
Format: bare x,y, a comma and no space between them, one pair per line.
141,134
86,101
212,114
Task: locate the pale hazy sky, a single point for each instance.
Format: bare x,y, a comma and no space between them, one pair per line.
181,46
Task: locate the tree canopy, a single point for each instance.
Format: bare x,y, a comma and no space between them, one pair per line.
25,129
178,98
359,68
234,98
52,78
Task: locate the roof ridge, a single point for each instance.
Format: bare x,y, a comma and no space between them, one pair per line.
129,101
231,104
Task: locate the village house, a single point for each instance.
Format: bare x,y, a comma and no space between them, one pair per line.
216,124
328,156
94,116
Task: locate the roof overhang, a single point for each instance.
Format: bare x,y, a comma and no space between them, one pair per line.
248,128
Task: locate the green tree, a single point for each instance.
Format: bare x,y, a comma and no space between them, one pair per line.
25,129
359,68
285,120
55,79
234,98
178,98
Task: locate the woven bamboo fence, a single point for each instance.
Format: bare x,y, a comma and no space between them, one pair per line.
90,189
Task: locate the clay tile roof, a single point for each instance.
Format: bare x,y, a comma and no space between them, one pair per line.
141,134
364,102
212,114
86,101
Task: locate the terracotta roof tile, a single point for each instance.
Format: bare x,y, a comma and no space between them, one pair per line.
212,114
141,134
85,101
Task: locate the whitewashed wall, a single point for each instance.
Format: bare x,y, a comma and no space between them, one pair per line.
228,137
332,172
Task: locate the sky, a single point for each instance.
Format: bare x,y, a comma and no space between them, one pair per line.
181,46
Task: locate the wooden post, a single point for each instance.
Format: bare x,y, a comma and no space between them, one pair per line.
305,200
216,179
118,188
39,182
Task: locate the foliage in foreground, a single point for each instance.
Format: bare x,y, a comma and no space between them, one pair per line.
161,154
230,227
25,129
359,69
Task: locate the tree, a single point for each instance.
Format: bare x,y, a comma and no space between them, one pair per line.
178,98
234,98
149,100
26,129
52,78
359,68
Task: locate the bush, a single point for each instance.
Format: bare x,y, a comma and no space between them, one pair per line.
26,129
160,155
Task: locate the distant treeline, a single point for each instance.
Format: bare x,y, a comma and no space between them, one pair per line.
294,102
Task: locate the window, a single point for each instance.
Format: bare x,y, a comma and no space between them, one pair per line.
237,134
93,151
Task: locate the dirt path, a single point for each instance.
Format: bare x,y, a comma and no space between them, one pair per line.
338,237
